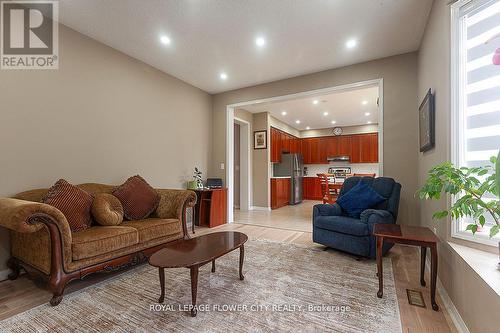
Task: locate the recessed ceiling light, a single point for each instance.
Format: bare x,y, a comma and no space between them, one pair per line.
325,113
364,102
308,128
334,122
260,41
367,113
283,113
368,122
351,43
223,76
297,121
315,102
165,40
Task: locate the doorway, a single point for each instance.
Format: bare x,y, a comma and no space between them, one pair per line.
230,119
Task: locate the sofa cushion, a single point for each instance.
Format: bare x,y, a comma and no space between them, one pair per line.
73,202
149,229
98,240
137,197
107,209
359,198
342,224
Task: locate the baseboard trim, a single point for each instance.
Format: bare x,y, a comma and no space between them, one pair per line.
267,209
448,303
4,274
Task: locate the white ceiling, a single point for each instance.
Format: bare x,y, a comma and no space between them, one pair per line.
346,108
209,37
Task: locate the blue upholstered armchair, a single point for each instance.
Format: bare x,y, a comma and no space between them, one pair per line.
334,228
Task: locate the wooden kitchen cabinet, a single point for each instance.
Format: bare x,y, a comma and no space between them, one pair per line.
282,142
364,148
311,188
280,192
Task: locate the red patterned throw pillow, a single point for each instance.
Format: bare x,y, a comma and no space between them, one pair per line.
138,198
73,202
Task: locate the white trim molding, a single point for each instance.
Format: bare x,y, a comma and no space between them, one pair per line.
448,303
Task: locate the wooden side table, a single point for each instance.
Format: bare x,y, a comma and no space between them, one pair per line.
417,236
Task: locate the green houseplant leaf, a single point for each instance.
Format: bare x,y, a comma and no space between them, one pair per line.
471,187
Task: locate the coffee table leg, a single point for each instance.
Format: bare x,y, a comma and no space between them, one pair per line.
161,272
194,289
434,266
380,242
423,252
242,256
213,266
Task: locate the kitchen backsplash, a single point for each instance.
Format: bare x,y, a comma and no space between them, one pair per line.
313,169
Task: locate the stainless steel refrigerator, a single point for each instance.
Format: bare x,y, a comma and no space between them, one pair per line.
291,166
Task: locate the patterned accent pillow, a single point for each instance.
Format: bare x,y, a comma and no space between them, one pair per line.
73,202
107,209
138,198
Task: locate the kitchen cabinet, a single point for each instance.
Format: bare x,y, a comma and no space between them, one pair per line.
361,148
364,148
311,188
280,192
282,142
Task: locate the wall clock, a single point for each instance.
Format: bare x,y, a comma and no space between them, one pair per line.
337,131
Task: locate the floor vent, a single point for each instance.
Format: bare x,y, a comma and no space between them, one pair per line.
415,298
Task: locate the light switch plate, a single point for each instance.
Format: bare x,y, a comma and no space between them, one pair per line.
222,166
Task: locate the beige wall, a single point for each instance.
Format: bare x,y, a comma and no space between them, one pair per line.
477,303
400,105
261,169
101,117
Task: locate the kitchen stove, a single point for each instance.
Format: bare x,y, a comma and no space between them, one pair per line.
340,173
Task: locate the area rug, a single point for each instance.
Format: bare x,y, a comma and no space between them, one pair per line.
287,288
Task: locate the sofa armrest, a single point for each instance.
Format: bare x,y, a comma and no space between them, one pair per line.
374,216
173,204
27,216
327,210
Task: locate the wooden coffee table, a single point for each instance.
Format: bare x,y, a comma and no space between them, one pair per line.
194,253
418,236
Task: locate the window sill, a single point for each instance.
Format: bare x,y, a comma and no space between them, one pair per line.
482,262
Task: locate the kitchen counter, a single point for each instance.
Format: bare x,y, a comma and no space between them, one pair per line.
281,177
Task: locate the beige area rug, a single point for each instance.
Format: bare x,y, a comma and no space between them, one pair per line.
287,288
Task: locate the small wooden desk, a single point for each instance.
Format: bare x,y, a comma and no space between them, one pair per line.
417,236
211,207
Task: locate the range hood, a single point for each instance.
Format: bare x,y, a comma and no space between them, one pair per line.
340,158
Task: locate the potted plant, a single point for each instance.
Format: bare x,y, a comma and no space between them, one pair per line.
470,186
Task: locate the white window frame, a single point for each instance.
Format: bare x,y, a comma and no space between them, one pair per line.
458,86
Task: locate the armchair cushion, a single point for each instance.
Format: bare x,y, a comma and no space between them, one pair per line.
327,210
374,216
342,224
357,199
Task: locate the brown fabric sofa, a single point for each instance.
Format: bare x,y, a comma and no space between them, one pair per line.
42,243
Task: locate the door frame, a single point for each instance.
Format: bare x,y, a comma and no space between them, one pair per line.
245,165
230,129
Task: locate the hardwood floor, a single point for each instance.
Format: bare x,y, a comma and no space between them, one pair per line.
22,294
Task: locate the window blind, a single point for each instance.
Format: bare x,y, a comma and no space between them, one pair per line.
479,77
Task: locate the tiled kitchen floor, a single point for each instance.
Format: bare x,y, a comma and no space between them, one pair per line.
297,217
